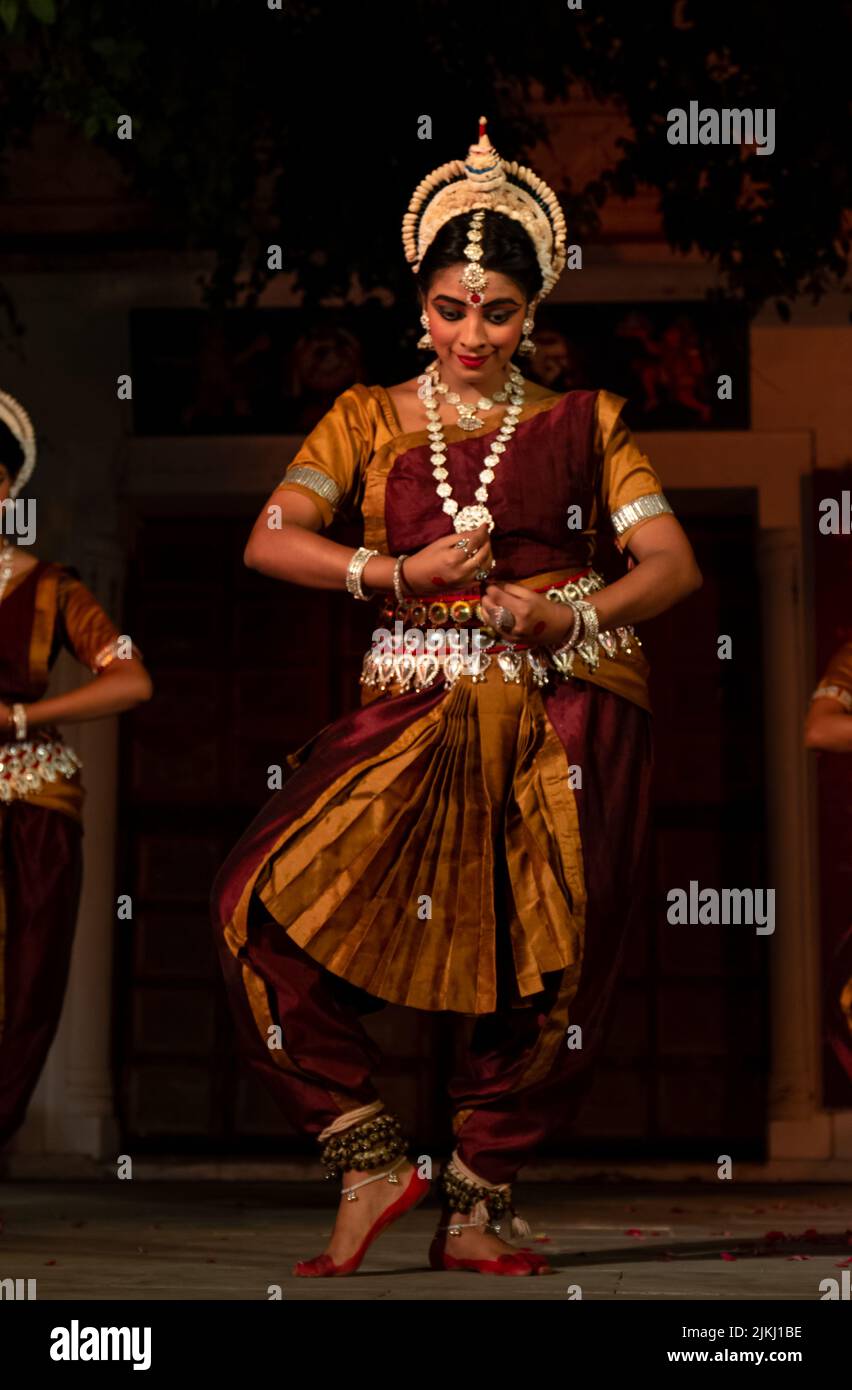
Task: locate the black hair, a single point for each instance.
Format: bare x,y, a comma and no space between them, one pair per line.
11,452
506,248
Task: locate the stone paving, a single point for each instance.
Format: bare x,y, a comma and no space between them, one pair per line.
215,1240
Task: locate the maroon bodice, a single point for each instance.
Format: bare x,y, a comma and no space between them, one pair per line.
17,616
549,465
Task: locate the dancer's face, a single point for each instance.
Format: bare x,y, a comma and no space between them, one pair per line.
474,342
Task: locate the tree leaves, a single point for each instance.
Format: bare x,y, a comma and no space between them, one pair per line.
286,128
45,10
9,14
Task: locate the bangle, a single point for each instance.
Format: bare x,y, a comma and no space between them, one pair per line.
569,643
19,719
353,574
590,621
399,579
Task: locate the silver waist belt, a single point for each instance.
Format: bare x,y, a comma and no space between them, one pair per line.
410,660
27,765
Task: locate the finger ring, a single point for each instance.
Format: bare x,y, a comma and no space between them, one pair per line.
462,544
481,575
501,616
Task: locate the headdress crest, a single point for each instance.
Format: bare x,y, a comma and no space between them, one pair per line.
12,413
485,181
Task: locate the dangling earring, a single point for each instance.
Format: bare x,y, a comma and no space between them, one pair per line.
526,345
426,340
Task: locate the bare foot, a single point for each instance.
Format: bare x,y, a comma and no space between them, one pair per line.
476,1243
354,1218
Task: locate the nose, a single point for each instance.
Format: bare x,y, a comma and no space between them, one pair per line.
474,343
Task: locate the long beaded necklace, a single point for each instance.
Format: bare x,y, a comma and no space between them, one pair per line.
468,518
468,419
7,563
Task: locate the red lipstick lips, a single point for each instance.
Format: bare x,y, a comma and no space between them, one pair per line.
471,361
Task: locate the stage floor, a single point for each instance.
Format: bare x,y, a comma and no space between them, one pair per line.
232,1240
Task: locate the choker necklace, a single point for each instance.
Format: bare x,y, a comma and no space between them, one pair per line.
468,419
469,517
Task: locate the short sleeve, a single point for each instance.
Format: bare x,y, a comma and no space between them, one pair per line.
836,683
631,490
83,627
330,464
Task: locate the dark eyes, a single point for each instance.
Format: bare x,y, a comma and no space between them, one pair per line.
499,316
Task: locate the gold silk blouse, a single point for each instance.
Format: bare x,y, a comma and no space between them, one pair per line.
333,464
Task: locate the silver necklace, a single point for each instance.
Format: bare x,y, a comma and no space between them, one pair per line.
468,518
468,419
7,562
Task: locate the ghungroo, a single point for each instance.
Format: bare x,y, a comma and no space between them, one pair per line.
367,1145
484,1203
463,1195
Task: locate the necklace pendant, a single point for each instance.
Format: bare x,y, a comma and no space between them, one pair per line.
469,422
470,517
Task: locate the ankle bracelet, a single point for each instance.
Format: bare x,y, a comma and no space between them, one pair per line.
484,1202
390,1175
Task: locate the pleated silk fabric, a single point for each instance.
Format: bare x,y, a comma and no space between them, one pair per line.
428,833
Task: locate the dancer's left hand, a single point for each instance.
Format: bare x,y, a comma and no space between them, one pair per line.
537,619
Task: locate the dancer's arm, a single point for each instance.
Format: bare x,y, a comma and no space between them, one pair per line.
85,630
828,726
119,688
284,545
665,574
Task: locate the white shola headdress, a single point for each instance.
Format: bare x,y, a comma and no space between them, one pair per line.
485,181
12,413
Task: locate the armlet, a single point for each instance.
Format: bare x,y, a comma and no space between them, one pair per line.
652,504
834,692
316,481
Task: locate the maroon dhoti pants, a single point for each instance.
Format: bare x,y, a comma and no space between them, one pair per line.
520,1080
41,872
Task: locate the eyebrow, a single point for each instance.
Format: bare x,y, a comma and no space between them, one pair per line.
490,305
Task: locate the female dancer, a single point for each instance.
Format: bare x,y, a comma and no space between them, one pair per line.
828,728
472,838
43,607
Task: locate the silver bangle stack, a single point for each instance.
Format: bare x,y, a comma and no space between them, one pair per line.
19,720
353,574
584,629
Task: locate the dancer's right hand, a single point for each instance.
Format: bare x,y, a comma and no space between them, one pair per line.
442,566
